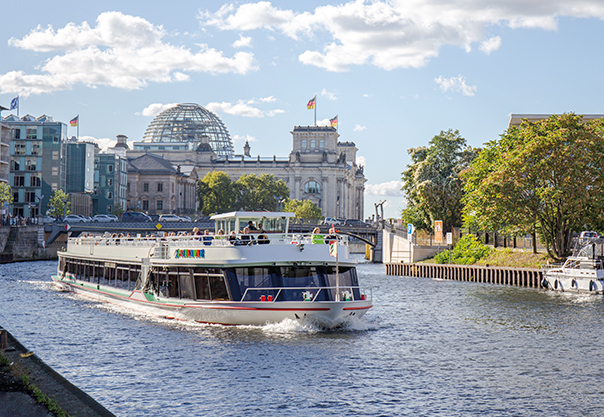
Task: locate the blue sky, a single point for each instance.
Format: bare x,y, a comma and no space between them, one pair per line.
395,72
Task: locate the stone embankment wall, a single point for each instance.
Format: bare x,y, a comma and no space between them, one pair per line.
25,243
523,277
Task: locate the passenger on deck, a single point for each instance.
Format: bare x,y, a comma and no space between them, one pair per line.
316,237
246,238
250,226
207,239
233,238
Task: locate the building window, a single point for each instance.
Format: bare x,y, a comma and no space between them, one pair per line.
19,181
54,186
55,170
128,187
109,209
145,187
32,133
35,181
109,168
322,143
16,196
160,205
110,181
312,187
15,165
313,144
36,148
145,205
109,195
303,143
30,196
160,187
19,149
55,155
30,164
16,133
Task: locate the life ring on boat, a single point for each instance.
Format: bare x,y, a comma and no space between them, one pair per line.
573,284
592,286
544,283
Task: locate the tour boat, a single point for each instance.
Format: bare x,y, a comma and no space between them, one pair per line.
582,272
229,278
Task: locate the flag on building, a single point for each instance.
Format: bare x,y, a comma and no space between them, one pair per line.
14,103
74,121
333,249
311,103
334,122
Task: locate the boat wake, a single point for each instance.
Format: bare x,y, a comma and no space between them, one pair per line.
289,326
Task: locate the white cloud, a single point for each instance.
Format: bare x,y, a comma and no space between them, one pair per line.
329,94
456,84
361,160
241,108
104,143
269,99
490,45
242,42
121,51
238,138
391,188
359,128
154,109
396,33
323,122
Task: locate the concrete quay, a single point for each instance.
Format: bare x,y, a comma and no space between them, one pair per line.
15,401
522,277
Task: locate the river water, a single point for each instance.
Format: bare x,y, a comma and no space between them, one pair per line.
428,347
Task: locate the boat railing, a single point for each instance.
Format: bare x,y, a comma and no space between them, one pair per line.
208,240
310,294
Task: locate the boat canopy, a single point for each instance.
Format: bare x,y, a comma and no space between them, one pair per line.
267,221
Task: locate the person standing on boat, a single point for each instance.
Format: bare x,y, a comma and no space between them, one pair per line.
317,237
207,239
250,226
246,238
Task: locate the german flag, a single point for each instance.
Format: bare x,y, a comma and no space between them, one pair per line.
334,122
311,103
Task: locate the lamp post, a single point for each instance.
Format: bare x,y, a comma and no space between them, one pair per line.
40,198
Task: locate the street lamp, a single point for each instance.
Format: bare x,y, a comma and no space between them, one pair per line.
40,198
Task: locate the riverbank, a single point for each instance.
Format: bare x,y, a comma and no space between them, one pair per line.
29,387
511,258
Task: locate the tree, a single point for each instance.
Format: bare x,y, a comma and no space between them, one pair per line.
6,194
216,193
543,177
56,204
303,209
432,184
257,192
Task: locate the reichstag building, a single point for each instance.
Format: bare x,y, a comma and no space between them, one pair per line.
319,168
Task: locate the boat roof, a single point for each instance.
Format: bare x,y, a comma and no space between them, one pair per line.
253,214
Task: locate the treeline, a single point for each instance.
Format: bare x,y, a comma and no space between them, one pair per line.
218,194
543,178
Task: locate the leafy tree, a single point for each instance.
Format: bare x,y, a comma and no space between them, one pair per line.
56,204
6,194
216,193
467,252
304,209
432,184
257,192
545,177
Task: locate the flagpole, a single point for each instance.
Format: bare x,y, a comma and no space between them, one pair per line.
78,128
18,105
315,110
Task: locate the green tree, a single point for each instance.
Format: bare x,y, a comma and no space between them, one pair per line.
6,194
544,177
466,252
432,184
216,193
257,192
56,204
304,209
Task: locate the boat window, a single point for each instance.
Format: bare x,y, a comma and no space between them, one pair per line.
218,288
347,278
186,283
252,278
306,280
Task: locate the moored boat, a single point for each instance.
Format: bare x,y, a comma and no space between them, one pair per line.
251,278
581,272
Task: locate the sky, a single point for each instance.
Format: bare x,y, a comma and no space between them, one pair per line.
396,73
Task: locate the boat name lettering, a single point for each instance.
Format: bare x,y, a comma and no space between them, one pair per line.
190,253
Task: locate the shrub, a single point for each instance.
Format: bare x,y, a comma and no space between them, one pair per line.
467,252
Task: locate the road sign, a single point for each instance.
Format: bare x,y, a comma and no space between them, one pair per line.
449,238
410,231
438,231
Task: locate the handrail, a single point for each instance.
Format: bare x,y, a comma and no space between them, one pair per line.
318,289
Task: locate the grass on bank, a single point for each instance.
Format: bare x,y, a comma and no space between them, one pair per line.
19,372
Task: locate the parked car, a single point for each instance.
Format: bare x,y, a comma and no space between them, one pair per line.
135,216
74,218
185,218
169,218
589,235
47,219
104,218
355,223
331,221
154,217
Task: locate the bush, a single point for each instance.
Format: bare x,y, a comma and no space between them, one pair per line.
467,252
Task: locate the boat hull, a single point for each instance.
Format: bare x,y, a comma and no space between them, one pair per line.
328,314
566,282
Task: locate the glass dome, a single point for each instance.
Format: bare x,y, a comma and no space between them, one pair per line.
189,122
